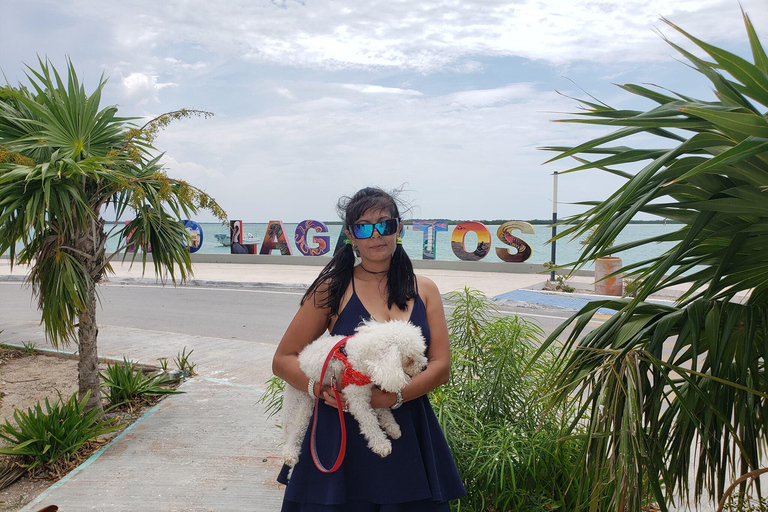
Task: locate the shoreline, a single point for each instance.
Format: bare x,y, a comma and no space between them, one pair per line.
317,261
295,272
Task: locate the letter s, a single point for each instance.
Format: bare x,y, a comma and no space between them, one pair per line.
504,233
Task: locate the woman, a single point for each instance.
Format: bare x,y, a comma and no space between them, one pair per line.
419,474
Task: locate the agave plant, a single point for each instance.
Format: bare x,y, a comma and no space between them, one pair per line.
44,435
63,161
127,384
676,396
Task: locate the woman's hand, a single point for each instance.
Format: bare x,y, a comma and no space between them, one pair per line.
326,394
379,399
382,399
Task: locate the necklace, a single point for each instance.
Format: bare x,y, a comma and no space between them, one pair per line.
374,273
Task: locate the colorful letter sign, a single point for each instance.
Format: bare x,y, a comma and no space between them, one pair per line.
302,232
505,235
312,239
195,235
131,243
236,245
430,229
275,239
483,241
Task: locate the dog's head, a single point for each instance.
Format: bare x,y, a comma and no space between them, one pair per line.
390,353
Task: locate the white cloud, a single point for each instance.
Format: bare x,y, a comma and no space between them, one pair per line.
469,66
144,86
192,172
377,89
487,97
477,161
424,36
178,64
285,93
316,99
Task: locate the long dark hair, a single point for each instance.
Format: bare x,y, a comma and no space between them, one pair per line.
336,276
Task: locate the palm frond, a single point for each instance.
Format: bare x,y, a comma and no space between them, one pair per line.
66,158
675,391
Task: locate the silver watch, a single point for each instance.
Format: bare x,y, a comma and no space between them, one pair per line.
398,402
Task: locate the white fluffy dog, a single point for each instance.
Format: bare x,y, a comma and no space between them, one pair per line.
389,353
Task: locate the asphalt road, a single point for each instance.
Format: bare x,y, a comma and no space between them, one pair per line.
249,314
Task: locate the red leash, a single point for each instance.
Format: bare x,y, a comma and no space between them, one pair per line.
343,447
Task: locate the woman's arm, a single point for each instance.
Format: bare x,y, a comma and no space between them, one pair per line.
309,324
438,368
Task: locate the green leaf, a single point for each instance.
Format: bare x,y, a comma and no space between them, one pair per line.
754,79
749,147
761,60
747,124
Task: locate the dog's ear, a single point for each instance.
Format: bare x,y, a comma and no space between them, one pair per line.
386,370
413,348
416,363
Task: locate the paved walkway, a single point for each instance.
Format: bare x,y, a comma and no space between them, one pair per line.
212,448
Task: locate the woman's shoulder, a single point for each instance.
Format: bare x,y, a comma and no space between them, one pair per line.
426,286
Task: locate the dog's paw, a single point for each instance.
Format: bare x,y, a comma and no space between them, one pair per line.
382,448
393,431
291,457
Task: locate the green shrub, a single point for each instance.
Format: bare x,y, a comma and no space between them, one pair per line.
512,452
124,383
41,438
183,362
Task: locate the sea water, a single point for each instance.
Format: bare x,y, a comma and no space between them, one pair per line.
566,251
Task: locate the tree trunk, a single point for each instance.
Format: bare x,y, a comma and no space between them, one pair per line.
88,367
91,247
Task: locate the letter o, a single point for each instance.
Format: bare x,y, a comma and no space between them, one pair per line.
483,241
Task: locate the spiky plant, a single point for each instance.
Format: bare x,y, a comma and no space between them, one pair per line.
677,395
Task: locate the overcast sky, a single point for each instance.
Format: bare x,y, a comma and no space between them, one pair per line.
316,99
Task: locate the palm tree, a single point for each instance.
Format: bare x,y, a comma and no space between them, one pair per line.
63,161
675,397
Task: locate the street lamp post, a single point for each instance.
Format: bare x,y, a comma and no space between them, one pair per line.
554,227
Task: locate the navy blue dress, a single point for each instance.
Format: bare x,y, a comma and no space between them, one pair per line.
418,476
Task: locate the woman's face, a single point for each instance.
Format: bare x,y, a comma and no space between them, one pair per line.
377,248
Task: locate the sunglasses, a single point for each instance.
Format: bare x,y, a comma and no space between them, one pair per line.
385,228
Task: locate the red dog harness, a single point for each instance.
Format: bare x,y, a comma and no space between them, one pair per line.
348,376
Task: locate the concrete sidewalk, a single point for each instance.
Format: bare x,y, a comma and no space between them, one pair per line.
301,276
212,448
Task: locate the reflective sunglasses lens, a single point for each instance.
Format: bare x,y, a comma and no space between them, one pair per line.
363,230
387,227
